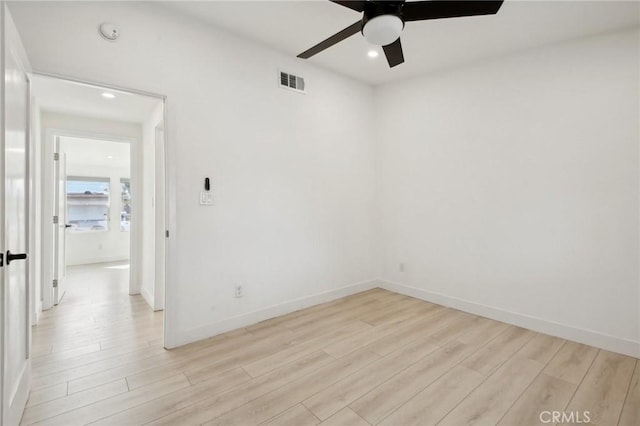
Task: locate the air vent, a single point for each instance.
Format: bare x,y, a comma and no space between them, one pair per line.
292,82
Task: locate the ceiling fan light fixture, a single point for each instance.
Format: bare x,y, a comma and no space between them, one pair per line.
383,30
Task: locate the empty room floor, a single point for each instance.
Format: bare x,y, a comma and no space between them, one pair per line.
372,358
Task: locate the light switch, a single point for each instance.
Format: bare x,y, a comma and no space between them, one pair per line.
206,198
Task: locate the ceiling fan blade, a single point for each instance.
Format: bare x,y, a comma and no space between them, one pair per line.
394,54
334,39
437,9
358,6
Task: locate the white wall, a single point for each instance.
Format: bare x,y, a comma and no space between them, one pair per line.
85,159
76,123
510,188
292,174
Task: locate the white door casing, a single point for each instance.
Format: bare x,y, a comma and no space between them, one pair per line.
14,181
160,228
49,204
60,225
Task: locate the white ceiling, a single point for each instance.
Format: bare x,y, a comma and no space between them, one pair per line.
97,153
84,100
293,26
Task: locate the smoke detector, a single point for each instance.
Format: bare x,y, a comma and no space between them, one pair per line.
108,31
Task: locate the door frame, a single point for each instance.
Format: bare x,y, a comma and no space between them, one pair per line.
48,175
160,202
169,224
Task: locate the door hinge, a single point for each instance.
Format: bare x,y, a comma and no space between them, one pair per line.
55,220
56,156
166,233
55,283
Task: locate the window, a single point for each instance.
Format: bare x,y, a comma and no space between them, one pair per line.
88,204
125,205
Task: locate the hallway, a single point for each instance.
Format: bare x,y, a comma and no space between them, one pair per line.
96,323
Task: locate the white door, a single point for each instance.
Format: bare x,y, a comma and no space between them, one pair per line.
60,224
13,226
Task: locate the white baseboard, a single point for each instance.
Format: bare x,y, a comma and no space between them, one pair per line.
580,335
209,330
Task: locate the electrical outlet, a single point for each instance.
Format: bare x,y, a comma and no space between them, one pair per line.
239,291
401,267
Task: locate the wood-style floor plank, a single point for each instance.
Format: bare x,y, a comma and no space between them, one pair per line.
68,403
541,348
218,404
298,415
47,394
571,362
182,398
433,323
120,402
546,393
279,400
278,359
490,401
604,389
384,399
345,417
491,356
333,398
434,402
631,411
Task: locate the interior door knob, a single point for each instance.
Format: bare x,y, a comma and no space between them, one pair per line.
67,226
15,256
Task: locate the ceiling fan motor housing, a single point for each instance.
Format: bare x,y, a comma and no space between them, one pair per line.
382,22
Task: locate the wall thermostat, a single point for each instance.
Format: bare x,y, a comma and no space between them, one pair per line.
206,196
109,31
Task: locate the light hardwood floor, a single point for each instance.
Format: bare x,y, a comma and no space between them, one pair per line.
372,358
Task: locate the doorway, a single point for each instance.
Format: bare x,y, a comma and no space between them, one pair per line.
93,207
98,204
92,203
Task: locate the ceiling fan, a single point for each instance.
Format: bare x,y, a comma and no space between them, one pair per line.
383,21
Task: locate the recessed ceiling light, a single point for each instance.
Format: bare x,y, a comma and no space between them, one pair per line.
372,53
109,157
108,95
